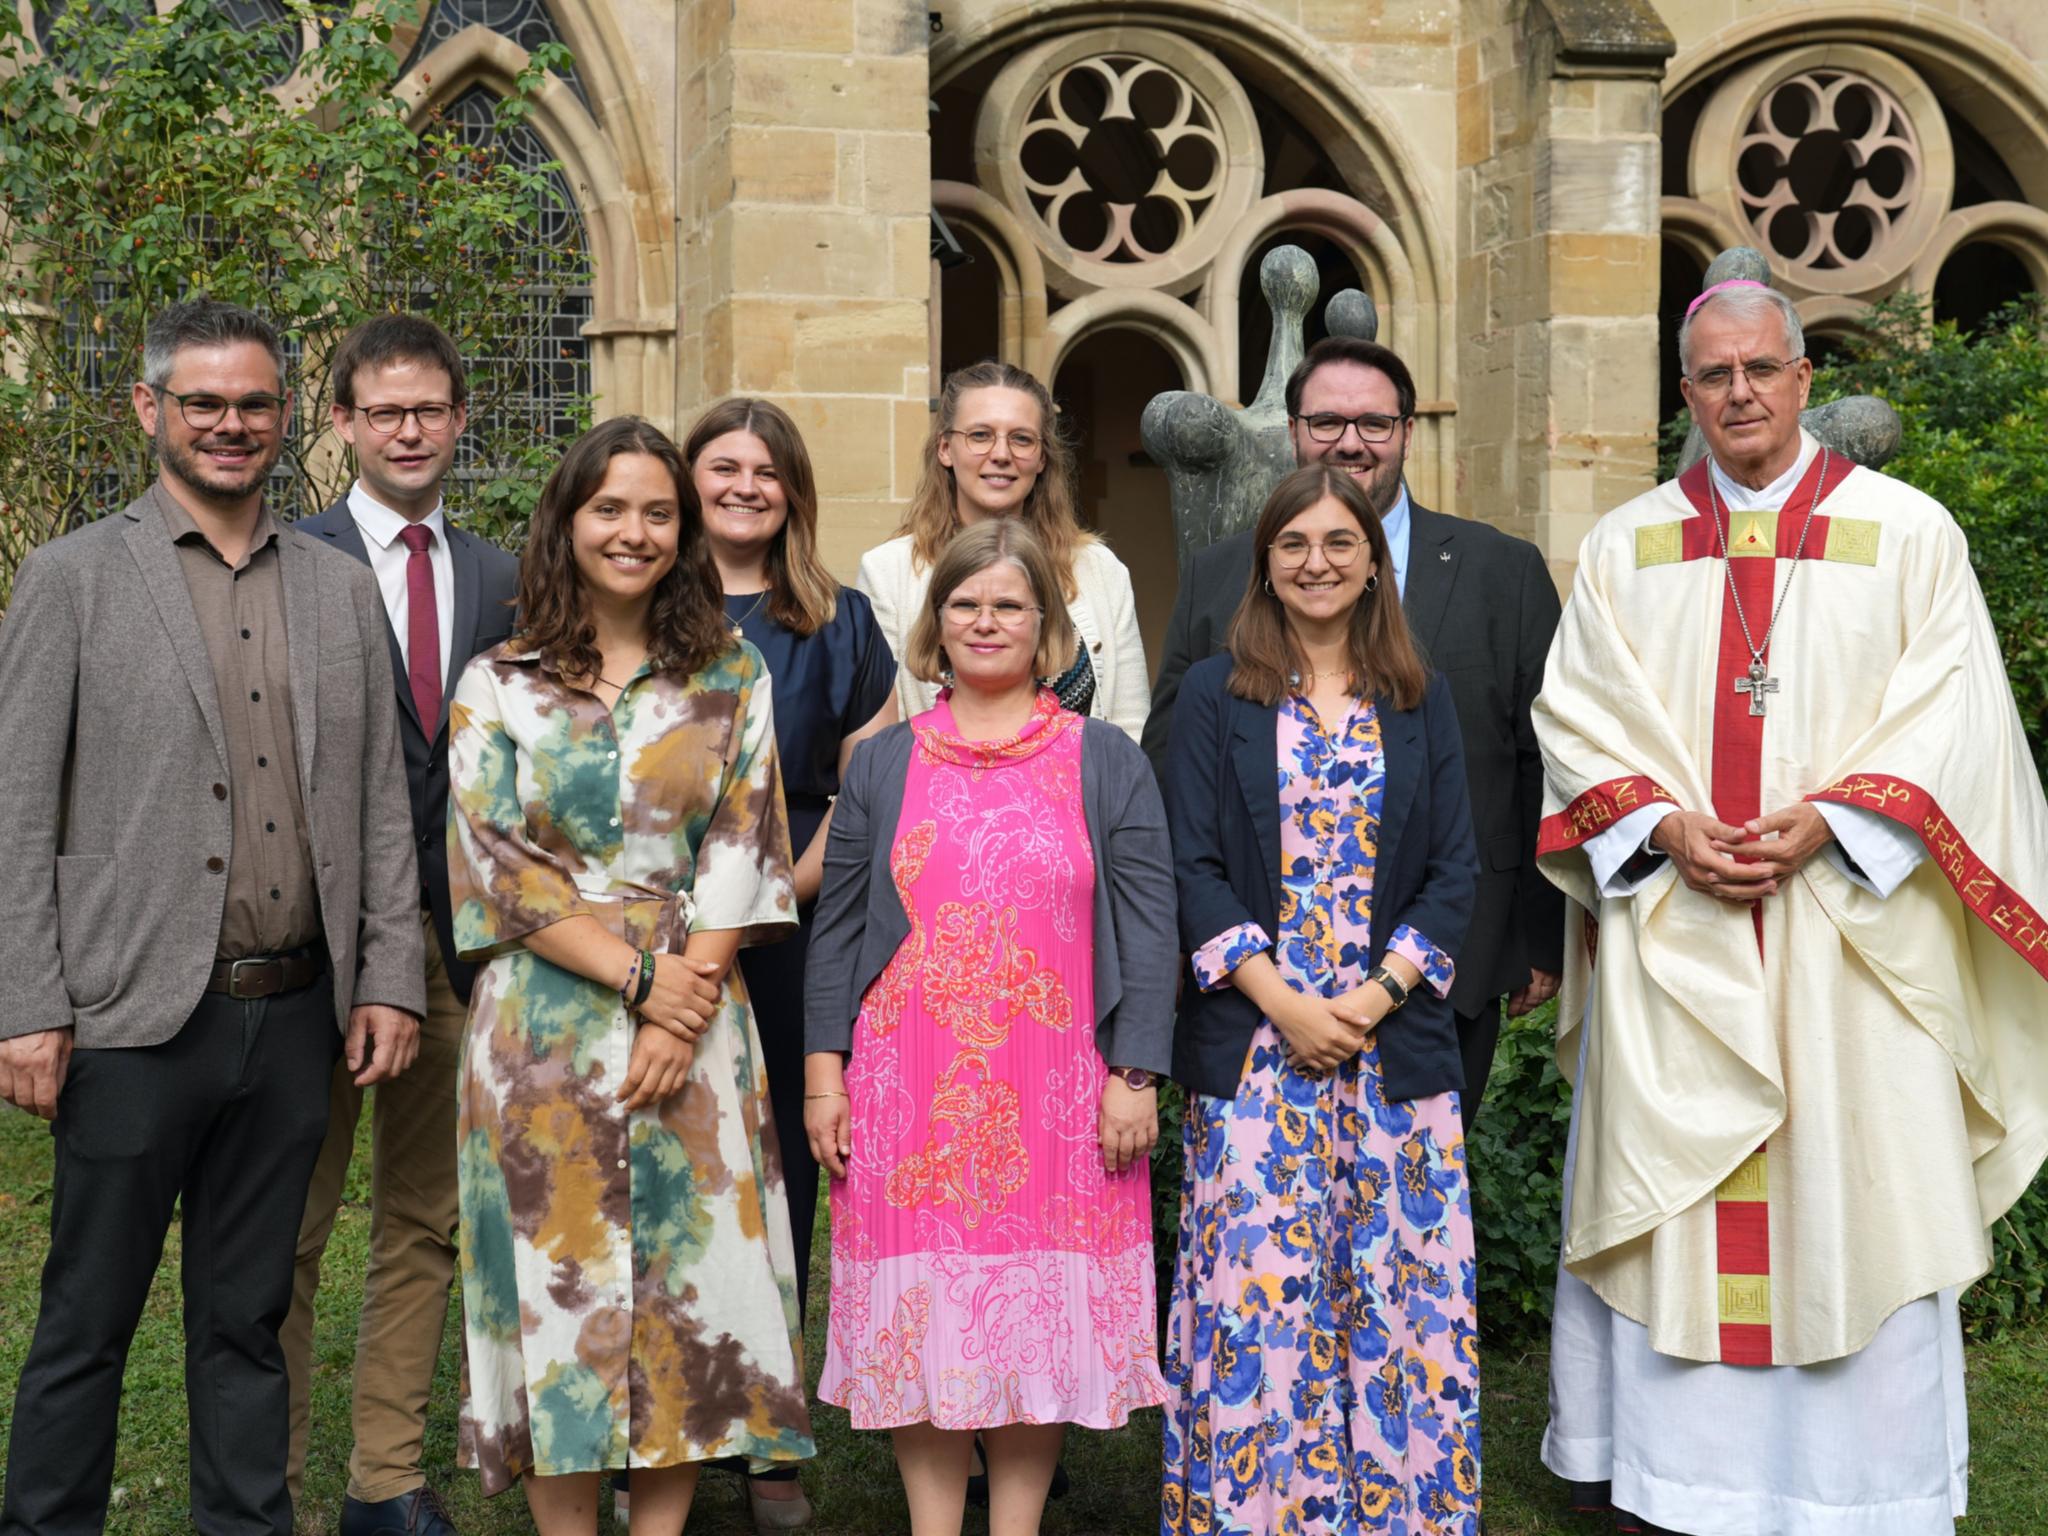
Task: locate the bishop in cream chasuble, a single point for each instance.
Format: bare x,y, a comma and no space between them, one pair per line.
1805,1010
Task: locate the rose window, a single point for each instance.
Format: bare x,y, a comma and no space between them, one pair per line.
1827,170
1122,158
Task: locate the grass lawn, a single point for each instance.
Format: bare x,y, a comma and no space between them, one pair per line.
853,1484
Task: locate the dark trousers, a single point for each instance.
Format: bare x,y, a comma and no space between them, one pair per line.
225,1119
1478,1034
775,986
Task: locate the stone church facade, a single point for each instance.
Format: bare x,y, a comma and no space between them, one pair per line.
831,201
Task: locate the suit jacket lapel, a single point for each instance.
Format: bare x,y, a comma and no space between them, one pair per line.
1431,537
338,526
302,641
1258,776
462,627
149,541
1401,740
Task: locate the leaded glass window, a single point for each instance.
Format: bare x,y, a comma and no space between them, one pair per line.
270,17
526,22
538,368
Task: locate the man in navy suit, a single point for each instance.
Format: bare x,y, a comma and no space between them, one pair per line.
399,402
1483,608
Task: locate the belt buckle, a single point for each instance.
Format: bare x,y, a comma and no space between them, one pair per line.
236,968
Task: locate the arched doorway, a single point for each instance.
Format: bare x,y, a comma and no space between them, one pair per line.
1103,384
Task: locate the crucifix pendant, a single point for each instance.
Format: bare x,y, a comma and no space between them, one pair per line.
1756,685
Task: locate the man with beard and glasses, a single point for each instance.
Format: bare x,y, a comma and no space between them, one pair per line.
209,895
1483,608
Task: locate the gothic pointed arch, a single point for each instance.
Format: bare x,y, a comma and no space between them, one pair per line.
595,126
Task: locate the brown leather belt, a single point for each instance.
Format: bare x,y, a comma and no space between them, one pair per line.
268,975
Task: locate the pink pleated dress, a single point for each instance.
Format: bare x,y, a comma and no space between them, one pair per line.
985,1269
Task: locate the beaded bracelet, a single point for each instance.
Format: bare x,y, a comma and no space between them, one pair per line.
632,980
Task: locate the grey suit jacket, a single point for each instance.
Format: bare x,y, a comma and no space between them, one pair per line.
486,582
110,745
860,923
1482,606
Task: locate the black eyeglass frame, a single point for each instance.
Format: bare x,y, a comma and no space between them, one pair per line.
1355,423
447,408
275,403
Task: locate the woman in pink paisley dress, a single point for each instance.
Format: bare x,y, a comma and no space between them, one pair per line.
989,1000
1322,1350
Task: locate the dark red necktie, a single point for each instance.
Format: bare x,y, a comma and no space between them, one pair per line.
422,628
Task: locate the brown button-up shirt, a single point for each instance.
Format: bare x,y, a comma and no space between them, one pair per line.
272,902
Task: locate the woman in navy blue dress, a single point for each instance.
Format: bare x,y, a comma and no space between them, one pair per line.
833,680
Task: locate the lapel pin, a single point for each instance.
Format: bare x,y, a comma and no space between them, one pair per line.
1444,555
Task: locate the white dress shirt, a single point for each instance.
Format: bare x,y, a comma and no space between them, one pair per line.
1873,851
380,527
1396,525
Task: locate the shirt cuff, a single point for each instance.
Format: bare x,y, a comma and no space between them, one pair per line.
1872,850
1215,960
1612,849
1437,968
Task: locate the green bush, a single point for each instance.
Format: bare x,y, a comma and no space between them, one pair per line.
145,158
1515,1156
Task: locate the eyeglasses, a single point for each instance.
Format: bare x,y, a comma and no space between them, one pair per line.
1290,552
1010,615
1762,374
258,413
982,440
1328,426
387,419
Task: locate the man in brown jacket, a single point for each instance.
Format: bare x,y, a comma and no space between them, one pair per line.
209,893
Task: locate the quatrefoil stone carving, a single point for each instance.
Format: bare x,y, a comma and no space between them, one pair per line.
1829,166
1179,145
1191,121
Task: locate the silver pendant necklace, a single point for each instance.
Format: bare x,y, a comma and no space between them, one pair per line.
1756,682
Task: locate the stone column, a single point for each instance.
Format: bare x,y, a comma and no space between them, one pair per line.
805,239
1558,270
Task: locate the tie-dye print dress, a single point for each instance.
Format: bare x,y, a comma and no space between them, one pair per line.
985,1269
628,1287
1322,1348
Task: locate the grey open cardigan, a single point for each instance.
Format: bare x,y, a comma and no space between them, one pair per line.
859,922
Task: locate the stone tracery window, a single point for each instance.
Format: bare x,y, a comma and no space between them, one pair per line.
1857,170
539,370
1826,169
1122,157
528,23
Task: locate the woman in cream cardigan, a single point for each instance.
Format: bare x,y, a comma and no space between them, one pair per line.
995,451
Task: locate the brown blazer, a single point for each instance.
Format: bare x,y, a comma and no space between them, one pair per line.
110,746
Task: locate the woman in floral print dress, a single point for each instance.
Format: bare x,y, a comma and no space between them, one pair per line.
629,1294
1322,1348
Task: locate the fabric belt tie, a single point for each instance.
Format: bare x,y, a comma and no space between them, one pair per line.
644,917
268,975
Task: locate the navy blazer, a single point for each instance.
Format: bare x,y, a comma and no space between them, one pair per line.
486,585
1223,811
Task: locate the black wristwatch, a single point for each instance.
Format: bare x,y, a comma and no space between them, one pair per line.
1387,979
1137,1079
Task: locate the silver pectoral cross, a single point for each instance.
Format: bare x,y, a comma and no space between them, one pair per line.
1756,685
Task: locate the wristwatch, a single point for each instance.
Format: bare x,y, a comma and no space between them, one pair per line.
1137,1079
1392,983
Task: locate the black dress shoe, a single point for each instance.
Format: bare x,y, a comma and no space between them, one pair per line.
418,1513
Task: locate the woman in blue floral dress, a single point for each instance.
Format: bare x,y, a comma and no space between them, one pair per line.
1321,1349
